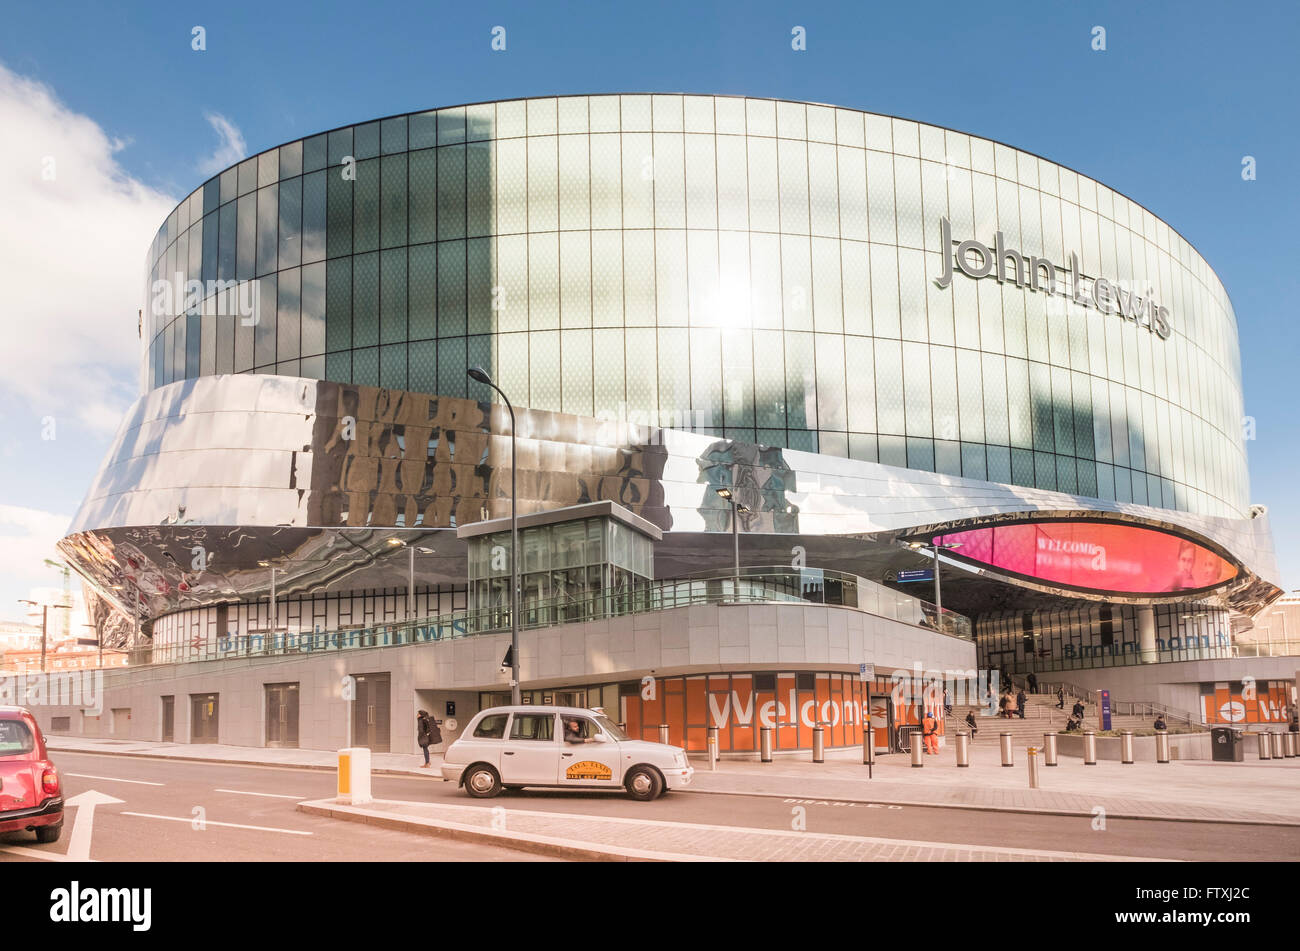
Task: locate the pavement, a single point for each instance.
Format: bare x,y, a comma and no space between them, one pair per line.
1250,793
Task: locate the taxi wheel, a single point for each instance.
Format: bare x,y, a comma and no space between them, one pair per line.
49,833
644,784
482,782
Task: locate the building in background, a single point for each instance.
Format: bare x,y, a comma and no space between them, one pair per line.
878,336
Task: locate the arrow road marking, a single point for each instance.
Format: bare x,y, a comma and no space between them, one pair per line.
79,841
114,779
213,822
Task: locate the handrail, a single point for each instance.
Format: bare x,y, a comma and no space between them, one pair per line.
757,586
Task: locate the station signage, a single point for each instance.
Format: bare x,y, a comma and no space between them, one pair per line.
977,260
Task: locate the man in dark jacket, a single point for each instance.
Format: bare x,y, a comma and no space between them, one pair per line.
1032,680
970,722
1060,698
1079,709
1020,703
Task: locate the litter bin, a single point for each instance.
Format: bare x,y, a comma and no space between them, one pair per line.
1227,744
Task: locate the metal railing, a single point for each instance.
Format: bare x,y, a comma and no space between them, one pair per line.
1139,708
756,586
1281,647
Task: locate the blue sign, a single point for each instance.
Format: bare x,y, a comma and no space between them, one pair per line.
1105,709
916,574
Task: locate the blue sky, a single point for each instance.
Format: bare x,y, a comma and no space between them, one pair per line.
1165,115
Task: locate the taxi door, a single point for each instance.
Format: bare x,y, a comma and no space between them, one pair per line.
528,756
595,761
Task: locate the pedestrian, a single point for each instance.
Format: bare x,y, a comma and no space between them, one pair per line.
1160,724
1295,718
1002,706
1079,709
970,722
1020,703
988,701
1060,697
1012,707
1033,682
428,734
947,702
930,730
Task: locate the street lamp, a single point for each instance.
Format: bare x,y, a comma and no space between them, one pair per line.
736,508
410,587
938,591
45,616
478,374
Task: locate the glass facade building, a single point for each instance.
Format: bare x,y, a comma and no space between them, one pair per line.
748,269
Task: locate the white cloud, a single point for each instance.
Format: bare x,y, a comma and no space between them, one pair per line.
27,538
72,253
229,151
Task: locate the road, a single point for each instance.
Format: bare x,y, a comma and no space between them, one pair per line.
156,819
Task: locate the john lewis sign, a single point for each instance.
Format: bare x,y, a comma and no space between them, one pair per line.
977,260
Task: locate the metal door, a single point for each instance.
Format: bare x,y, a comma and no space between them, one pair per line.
372,712
205,717
282,716
168,719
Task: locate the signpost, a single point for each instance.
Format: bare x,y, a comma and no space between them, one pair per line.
1103,709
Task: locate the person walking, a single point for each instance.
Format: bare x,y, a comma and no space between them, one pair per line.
1020,703
1012,706
947,702
1060,697
427,734
1032,679
930,731
1078,709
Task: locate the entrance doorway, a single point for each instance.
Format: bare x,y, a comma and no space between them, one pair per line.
205,716
169,719
372,712
282,716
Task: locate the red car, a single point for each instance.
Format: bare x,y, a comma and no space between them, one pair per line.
31,794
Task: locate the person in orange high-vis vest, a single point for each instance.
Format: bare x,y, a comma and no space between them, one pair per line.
930,730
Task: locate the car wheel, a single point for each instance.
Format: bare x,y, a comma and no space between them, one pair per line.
644,784
482,782
46,834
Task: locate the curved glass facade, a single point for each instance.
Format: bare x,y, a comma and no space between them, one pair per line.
753,269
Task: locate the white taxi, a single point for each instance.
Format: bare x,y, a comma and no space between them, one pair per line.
559,747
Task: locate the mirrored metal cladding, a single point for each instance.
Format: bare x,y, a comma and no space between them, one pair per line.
775,273
320,477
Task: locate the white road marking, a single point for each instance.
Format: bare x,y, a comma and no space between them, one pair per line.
213,822
268,795
38,854
114,779
85,803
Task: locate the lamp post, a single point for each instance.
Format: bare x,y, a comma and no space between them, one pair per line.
45,617
478,374
410,586
736,508
938,591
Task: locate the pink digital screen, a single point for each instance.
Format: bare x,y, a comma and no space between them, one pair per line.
1095,556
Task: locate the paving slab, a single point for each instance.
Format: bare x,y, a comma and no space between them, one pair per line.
621,839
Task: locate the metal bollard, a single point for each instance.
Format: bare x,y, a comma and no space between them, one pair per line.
1291,745
765,744
918,751
1007,758
819,744
1162,746
663,733
713,747
1265,745
1126,747
963,748
1032,757
1089,748
1276,740
1049,749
